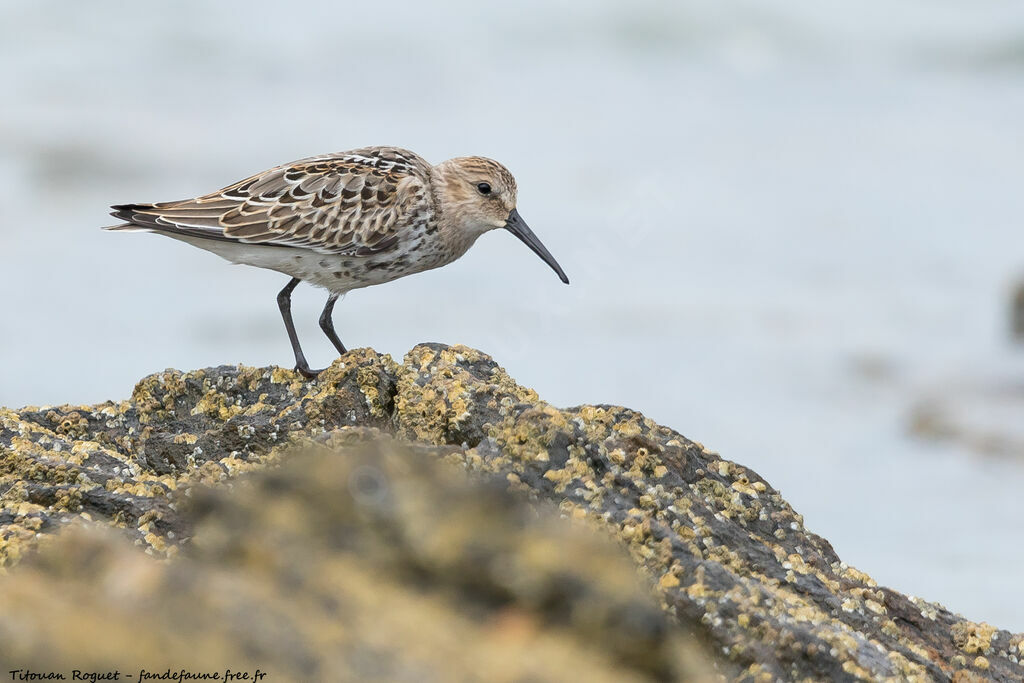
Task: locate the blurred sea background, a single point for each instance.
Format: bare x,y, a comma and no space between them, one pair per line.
791,227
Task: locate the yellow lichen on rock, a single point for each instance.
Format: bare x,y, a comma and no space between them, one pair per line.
473,590
973,638
724,553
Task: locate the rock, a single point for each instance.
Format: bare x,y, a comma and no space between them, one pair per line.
726,556
981,414
1017,313
361,561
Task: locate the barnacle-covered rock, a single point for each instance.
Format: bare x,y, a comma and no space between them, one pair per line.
726,556
363,560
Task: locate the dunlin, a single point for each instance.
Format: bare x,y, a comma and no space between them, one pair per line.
344,221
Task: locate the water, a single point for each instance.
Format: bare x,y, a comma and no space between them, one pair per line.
785,224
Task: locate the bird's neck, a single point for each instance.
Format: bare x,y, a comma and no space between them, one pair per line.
455,230
455,237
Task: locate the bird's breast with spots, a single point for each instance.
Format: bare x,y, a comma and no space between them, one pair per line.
342,273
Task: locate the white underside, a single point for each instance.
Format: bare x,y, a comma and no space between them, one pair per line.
336,273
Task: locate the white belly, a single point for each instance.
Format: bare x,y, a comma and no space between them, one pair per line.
334,272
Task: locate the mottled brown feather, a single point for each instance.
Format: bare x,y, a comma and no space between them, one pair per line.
350,202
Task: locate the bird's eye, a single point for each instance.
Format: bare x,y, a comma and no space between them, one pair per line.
483,188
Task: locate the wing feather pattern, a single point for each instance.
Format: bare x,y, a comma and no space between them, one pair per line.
347,203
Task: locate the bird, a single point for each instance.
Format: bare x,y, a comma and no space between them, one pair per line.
344,221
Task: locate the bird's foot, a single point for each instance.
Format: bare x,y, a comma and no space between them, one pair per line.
307,372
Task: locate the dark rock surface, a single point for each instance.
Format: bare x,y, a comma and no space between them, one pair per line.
725,554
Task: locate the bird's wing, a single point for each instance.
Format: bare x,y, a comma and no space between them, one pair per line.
353,202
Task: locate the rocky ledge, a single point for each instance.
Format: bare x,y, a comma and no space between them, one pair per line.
370,559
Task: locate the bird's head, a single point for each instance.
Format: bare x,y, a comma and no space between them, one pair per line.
478,194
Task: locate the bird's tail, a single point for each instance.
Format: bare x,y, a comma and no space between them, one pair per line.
129,213
156,218
126,227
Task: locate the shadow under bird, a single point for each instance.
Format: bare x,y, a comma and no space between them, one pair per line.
346,220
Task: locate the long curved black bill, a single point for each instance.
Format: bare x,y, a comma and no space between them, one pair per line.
518,227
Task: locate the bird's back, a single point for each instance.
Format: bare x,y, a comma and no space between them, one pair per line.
357,203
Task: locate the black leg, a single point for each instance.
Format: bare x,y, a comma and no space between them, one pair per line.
327,324
284,302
